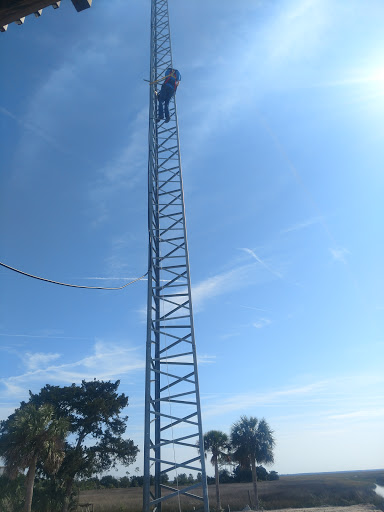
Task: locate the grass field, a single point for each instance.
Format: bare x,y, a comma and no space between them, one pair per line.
294,491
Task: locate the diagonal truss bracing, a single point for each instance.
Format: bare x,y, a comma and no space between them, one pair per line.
173,439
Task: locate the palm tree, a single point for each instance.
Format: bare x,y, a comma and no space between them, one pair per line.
31,435
217,443
252,442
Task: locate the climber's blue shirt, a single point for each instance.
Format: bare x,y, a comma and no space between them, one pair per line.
173,80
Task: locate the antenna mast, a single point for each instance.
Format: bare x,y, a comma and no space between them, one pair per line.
173,437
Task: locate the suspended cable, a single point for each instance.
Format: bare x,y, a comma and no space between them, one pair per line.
71,285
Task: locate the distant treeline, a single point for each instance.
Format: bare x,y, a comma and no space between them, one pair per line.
240,475
236,476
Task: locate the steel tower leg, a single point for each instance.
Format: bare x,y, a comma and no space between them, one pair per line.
173,438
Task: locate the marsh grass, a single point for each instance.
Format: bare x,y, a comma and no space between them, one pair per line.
293,491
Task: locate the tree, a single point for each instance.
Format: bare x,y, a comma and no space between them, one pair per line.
225,476
124,482
217,443
261,474
96,427
242,474
164,478
12,493
109,482
181,479
252,441
32,435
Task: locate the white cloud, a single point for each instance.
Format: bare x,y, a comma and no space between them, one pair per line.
304,224
262,322
262,263
45,114
124,171
229,335
253,308
111,360
54,109
371,75
41,336
5,411
339,254
362,414
316,402
12,389
107,361
206,359
31,127
248,401
297,31
222,284
215,286
117,262
37,360
292,33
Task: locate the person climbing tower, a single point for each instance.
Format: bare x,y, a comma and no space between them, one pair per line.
168,89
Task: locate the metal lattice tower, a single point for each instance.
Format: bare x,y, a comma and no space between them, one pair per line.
173,438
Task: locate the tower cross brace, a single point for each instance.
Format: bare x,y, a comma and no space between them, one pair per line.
173,437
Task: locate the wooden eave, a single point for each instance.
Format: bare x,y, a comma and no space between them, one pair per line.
15,11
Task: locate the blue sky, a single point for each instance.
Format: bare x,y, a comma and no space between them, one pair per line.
280,117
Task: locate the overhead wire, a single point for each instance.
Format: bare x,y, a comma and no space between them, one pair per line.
71,285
